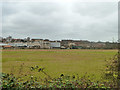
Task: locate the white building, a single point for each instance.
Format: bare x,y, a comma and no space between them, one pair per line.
36,43
55,45
18,44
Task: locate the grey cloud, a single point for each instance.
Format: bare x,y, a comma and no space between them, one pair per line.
96,9
44,8
10,8
91,21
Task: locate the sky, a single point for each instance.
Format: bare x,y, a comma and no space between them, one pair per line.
93,21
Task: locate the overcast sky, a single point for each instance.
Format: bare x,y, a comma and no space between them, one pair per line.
92,21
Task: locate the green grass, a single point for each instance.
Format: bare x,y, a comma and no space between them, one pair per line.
68,62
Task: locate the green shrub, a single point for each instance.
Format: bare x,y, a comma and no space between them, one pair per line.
9,81
111,71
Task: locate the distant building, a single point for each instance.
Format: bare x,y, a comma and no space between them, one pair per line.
55,45
7,47
10,42
81,44
65,43
36,43
18,44
46,44
2,45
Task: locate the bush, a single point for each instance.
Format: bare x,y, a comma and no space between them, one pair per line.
111,71
9,81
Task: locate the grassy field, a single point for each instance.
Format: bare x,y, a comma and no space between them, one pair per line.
55,62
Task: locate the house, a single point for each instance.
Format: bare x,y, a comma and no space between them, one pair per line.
4,46
55,45
20,45
1,45
36,43
7,47
46,44
81,44
65,43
